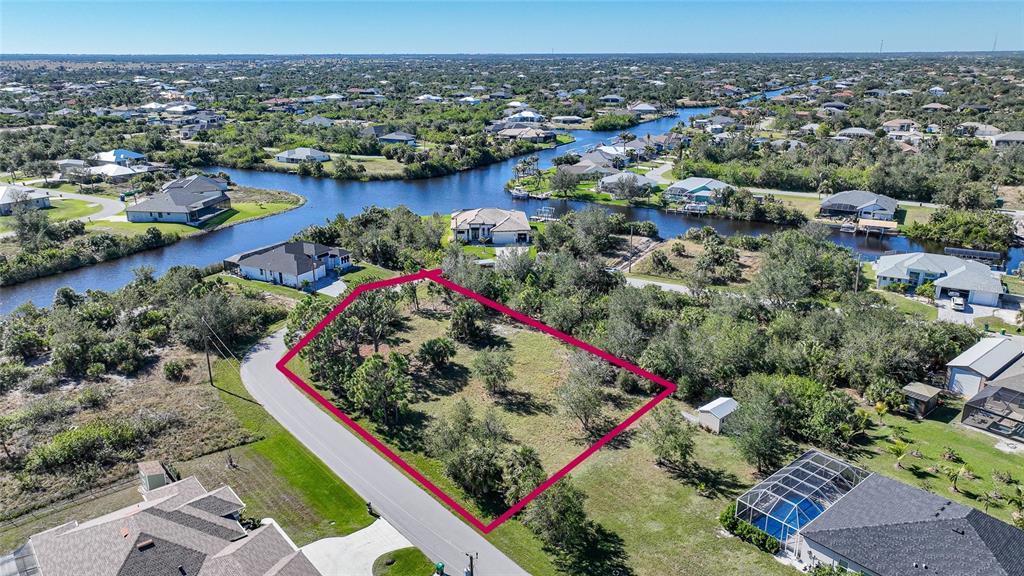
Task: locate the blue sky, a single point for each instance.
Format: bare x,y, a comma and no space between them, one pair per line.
425,26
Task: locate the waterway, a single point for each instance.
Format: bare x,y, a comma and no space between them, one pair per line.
325,198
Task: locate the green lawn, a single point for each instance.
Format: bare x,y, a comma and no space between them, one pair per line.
909,305
61,209
1014,284
653,521
277,476
404,562
375,165
239,212
996,324
364,271
930,436
909,214
264,286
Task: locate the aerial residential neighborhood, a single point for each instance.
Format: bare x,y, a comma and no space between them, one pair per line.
472,289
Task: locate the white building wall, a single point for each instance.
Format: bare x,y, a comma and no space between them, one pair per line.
964,381
175,217
710,422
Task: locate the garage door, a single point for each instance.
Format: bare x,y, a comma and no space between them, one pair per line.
983,298
965,383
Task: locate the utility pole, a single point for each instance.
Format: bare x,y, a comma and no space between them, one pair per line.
469,571
209,367
856,275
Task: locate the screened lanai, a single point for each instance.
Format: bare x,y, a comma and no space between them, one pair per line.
791,498
998,410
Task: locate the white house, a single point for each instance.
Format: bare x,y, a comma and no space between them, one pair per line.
494,225
293,264
13,195
712,415
180,205
296,155
973,280
969,372
525,116
118,156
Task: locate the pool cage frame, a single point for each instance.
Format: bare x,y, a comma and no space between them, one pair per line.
997,410
796,494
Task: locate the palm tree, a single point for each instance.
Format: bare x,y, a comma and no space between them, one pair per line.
954,475
899,449
881,409
990,499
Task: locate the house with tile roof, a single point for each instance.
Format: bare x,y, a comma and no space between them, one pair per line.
491,225
178,529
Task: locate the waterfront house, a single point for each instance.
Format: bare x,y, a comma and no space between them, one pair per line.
196,184
295,264
14,195
643,108
859,204
974,281
567,119
694,189
296,155
181,206
611,184
490,225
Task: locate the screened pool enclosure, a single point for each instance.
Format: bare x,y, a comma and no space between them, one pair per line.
997,410
791,498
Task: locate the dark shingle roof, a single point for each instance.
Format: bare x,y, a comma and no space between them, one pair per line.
886,526
291,258
178,200
152,556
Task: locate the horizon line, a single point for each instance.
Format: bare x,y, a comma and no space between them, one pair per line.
21,55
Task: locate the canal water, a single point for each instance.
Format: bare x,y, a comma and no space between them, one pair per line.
325,198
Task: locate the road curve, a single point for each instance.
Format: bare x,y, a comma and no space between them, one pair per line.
424,521
108,206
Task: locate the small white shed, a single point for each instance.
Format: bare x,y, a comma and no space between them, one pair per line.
713,414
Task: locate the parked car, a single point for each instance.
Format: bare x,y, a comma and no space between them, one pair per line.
958,304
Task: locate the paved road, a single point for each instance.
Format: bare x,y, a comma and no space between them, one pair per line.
108,206
658,174
425,522
640,283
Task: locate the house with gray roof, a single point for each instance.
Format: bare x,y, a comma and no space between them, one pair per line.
859,204
974,281
1008,139
196,183
615,183
179,528
181,206
827,512
14,195
296,155
398,138
989,360
296,264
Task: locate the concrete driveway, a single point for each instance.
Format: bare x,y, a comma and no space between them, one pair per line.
972,312
108,206
354,555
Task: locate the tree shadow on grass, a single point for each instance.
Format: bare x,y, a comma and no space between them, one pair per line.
522,403
600,429
600,551
408,434
712,482
444,382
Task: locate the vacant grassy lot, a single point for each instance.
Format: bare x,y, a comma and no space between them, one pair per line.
930,437
750,263
376,166
909,305
652,518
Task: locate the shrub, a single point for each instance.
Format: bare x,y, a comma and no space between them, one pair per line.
93,397
748,532
177,370
436,352
10,375
95,370
898,287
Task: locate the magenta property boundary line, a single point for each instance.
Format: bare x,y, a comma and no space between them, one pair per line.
436,276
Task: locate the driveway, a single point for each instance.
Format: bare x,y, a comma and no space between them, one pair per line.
354,555
658,174
640,283
972,312
441,535
108,206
